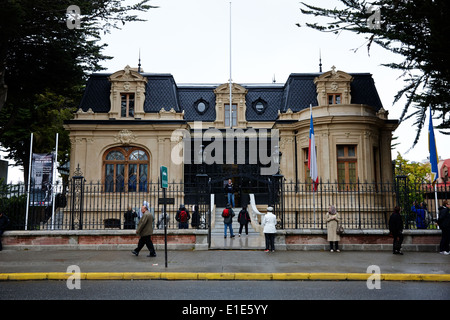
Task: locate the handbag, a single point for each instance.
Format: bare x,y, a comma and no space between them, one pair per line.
340,229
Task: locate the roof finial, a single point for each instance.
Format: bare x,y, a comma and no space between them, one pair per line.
273,79
320,61
139,63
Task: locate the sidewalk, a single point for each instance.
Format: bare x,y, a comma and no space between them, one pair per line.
224,264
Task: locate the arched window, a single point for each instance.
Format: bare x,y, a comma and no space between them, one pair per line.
125,169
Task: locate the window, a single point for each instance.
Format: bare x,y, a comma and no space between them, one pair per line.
127,105
259,105
201,106
334,98
346,166
233,115
305,165
126,170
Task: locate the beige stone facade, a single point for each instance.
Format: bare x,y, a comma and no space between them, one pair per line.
356,133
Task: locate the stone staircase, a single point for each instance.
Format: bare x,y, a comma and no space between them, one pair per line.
254,240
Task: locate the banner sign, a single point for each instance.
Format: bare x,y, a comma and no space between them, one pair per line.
41,179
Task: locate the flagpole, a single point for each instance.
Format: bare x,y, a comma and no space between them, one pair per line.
314,189
231,100
54,182
434,160
29,182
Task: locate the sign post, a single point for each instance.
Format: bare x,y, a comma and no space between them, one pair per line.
164,184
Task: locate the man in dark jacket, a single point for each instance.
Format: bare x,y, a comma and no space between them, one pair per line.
4,221
444,225
145,231
396,229
228,215
183,217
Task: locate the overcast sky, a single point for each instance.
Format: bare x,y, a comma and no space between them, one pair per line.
191,41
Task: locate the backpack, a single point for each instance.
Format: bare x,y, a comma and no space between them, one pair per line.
183,216
225,213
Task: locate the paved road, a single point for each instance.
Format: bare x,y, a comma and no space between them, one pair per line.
223,290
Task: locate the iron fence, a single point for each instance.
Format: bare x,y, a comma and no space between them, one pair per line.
81,205
361,205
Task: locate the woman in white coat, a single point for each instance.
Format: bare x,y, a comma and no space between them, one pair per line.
269,222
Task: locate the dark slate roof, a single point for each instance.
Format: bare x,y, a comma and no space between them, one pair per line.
160,92
297,93
96,94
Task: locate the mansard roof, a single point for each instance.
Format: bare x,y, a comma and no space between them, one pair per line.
297,93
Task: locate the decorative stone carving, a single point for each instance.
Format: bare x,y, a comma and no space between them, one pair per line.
125,137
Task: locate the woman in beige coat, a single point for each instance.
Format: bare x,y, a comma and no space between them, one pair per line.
332,225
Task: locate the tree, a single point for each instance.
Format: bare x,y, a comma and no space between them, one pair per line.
44,64
417,30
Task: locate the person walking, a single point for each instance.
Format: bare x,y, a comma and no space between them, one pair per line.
145,231
244,219
229,190
396,230
444,225
333,237
269,222
228,215
183,217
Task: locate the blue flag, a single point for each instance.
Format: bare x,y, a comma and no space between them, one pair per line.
433,152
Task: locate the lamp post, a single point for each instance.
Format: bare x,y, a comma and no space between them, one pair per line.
277,189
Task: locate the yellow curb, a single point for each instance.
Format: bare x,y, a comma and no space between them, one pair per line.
142,275
62,275
436,277
328,276
104,276
179,276
253,276
222,276
216,276
27,276
291,276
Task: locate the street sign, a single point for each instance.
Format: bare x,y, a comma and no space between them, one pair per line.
164,177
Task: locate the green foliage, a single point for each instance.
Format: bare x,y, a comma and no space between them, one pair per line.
44,66
416,30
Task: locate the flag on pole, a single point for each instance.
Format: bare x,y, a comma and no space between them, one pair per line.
433,152
312,159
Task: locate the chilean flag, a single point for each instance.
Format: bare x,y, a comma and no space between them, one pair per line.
312,159
434,159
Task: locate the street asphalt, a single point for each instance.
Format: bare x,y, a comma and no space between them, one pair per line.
224,265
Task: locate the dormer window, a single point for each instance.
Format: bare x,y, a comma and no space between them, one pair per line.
233,115
259,105
333,87
127,94
334,98
201,106
127,105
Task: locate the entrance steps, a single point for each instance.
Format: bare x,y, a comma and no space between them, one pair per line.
253,241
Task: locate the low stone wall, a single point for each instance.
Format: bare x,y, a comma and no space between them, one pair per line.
189,239
376,240
102,240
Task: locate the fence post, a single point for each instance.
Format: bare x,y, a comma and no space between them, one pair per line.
76,215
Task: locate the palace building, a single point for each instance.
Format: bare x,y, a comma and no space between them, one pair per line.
131,123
